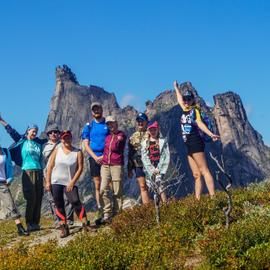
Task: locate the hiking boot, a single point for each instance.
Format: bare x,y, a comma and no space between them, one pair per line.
88,228
64,230
21,230
105,221
30,227
70,222
36,227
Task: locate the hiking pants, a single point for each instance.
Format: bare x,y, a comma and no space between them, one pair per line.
111,195
58,192
7,203
32,182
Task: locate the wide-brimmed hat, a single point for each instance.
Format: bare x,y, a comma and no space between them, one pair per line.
51,128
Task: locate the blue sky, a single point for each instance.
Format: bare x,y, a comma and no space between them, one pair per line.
134,49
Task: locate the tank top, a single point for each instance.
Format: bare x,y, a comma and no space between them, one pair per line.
65,166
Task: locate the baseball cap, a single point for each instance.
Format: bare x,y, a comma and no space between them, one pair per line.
97,104
141,117
153,125
31,126
110,118
66,133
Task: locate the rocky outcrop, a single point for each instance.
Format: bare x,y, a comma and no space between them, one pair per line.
245,155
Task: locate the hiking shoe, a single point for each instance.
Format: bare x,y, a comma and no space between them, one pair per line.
70,222
21,230
87,228
105,221
36,227
64,230
30,227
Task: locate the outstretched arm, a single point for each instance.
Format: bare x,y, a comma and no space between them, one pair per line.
11,131
178,94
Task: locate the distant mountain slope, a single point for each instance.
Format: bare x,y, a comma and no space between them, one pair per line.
245,155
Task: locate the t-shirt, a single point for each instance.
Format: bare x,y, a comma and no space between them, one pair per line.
154,153
96,133
188,123
31,155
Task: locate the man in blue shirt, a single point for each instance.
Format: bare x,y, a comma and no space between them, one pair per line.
93,136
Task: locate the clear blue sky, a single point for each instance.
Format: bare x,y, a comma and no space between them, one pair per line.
134,49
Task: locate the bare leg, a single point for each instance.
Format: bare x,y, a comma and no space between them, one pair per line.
197,177
200,160
144,191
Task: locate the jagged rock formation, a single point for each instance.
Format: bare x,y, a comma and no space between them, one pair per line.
247,158
245,155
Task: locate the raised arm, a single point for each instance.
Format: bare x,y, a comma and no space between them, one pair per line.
178,94
11,131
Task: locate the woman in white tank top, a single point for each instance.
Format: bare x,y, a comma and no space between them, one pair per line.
64,169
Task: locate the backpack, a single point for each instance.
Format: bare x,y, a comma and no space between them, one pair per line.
209,124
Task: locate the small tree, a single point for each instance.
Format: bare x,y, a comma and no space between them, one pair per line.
159,184
227,188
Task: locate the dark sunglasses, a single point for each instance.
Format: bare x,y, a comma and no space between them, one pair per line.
187,98
54,131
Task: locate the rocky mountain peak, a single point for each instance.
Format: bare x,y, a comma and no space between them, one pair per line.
65,74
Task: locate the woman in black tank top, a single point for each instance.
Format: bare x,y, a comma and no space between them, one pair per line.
190,125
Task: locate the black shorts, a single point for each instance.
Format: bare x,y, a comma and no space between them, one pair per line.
139,172
194,144
94,167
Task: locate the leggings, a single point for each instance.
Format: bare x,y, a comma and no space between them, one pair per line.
72,196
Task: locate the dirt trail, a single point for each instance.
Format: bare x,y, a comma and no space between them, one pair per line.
46,234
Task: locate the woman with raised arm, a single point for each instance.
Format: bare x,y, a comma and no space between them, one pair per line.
27,154
63,171
191,122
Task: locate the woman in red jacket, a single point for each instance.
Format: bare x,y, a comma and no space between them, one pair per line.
112,170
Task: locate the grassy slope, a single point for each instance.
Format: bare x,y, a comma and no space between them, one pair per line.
192,235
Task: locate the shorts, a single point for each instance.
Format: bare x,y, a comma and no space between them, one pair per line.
139,172
94,168
194,144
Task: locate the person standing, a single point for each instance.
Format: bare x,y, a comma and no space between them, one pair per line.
191,122
53,134
63,171
93,136
6,177
134,155
112,170
27,154
155,158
